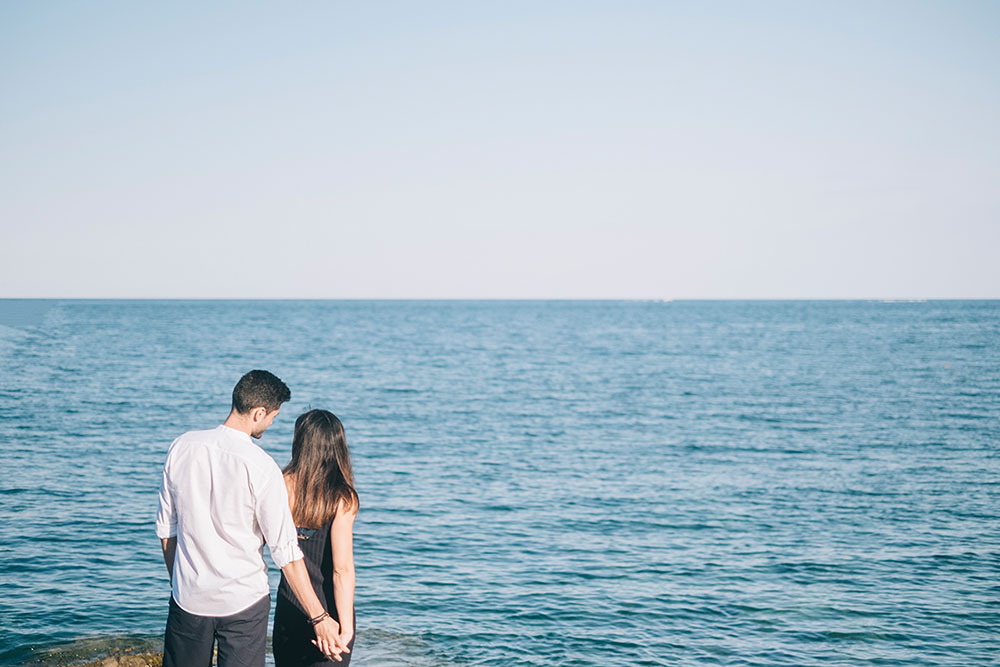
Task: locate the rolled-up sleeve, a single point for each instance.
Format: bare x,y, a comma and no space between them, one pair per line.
166,519
275,519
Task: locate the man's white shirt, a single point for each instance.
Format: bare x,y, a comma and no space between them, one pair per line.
223,497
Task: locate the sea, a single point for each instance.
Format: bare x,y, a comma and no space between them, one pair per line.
548,483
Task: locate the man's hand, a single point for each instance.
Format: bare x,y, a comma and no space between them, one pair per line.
329,639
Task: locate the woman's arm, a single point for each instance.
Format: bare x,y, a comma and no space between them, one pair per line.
342,543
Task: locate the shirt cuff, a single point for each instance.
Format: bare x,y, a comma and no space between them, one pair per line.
166,530
285,554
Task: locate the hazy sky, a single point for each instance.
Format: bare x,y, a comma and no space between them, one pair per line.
500,149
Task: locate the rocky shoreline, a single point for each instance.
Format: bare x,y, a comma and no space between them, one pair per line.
103,651
123,660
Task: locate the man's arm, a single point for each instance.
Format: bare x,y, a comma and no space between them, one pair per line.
166,522
169,545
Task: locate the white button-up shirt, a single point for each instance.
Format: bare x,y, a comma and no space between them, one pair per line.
223,497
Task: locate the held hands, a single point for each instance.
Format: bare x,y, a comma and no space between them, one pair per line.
329,639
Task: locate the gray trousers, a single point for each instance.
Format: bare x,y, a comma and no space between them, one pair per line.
242,637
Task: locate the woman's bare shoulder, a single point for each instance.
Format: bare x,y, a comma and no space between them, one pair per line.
346,512
290,488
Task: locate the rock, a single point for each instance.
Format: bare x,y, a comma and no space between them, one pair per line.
137,660
134,661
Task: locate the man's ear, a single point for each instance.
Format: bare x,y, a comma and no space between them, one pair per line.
258,414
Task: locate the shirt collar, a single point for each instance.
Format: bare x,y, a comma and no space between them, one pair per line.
230,429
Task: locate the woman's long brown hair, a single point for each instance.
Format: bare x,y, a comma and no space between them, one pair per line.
321,466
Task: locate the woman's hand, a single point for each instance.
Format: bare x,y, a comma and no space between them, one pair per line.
346,635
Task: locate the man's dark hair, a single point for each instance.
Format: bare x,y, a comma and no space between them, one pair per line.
259,389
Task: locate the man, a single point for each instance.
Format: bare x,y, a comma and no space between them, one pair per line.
222,497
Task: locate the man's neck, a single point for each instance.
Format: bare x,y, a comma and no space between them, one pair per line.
238,422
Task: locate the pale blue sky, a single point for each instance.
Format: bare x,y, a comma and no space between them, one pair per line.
500,150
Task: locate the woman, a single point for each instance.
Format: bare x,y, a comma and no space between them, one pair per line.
324,504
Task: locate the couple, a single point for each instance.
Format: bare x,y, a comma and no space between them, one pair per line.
221,499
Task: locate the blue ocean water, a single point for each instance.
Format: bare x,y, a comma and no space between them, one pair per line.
542,483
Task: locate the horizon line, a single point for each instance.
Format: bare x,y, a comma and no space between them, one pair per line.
899,299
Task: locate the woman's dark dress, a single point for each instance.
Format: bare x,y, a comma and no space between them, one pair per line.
292,636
